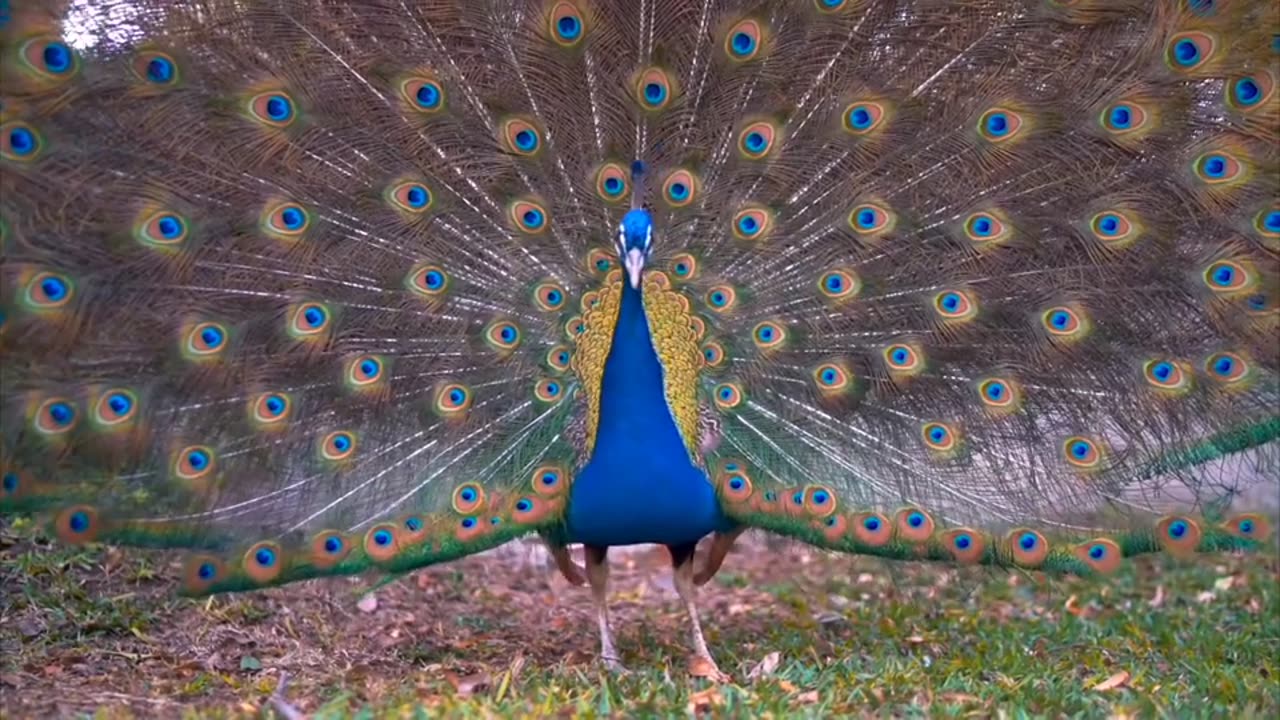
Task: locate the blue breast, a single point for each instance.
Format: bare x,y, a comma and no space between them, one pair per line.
639,486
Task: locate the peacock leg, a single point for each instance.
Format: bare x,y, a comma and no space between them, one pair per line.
701,663
568,568
721,544
598,577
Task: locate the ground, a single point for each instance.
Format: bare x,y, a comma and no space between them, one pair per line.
803,633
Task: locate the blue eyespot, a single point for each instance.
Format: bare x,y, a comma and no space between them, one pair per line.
119,403
53,288
1224,366
1224,275
1247,91
457,396
820,497
434,279
748,224
1028,541
198,459
872,523
900,356
292,217
413,524
654,93
915,519
524,505
332,544
160,70
938,434
313,316
860,118
22,141
532,218
1060,319
950,301
1162,370
755,142
61,413
1214,166
613,186
206,571
765,333
963,541
265,557
341,442
428,95
997,124
736,483
1109,224
568,27
1272,221
1120,118
1185,52
279,108
679,191
10,482
526,140
1245,526
57,58
211,337
829,376
743,43
170,226
78,522
468,523
981,226
382,538
1177,529
1097,552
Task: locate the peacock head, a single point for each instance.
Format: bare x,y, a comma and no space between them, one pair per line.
635,242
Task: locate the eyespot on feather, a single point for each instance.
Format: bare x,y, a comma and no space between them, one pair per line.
712,354
1248,93
1178,535
1227,367
1166,375
309,320
549,296
744,40
1000,395
115,408
201,572
530,510
769,335
452,400
48,59
727,395
752,223
410,197
683,266
548,390
1191,51
521,137
1218,167
1228,277
721,298
872,529
1082,452
423,94
940,437
204,341
274,109
1250,526
913,525
574,327
1064,323
559,358
338,445
413,529
679,188
502,335
832,378
986,229
156,68
382,542
566,24
819,500
1000,124
757,140
1028,547
735,486
1102,555
863,117
285,220
834,528
468,498
364,371
470,528
55,416
194,462
528,216
696,323
263,562
838,285
428,281
161,229
549,480
966,545
328,548
955,305
872,219
613,183
270,408
902,359
77,524
654,89
1113,228
1124,117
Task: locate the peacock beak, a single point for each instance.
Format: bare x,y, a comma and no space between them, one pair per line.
634,263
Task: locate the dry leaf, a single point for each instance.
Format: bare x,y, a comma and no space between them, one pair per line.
1224,583
705,668
1157,600
705,700
1113,682
807,697
786,686
765,667
1206,597
1072,607
915,640
368,603
467,685
959,698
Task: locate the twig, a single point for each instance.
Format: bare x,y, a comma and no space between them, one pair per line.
281,705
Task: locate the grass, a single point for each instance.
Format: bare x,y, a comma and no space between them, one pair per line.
96,631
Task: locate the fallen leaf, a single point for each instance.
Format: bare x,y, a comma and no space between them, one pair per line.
1206,597
249,662
368,603
1072,607
765,667
704,668
1113,682
915,640
1158,599
468,685
787,686
704,700
1224,583
807,697
959,698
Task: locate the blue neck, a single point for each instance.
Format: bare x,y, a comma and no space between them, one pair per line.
639,485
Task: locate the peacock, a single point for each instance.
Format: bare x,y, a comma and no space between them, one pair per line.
311,288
